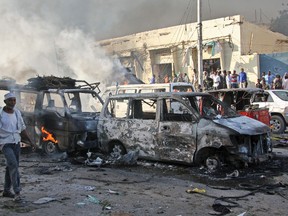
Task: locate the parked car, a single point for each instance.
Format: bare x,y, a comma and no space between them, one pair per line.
59,113
276,100
242,100
190,128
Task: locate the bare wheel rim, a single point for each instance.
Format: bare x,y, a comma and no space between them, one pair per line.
212,163
49,147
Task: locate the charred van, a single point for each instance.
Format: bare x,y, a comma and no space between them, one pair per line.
60,113
202,130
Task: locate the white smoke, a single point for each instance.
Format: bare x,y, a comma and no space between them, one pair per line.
57,37
31,45
82,57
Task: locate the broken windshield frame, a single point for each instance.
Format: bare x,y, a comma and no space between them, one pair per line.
82,102
210,107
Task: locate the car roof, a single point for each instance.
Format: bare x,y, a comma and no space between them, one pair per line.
141,85
158,94
270,90
236,90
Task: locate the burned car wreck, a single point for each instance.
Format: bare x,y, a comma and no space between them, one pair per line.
189,128
60,113
243,101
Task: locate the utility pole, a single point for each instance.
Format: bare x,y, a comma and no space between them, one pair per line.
199,46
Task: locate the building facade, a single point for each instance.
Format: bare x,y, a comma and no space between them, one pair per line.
229,43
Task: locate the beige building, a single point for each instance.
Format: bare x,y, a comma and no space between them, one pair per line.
229,43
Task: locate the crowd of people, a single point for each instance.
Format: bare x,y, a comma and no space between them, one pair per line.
218,80
269,81
182,77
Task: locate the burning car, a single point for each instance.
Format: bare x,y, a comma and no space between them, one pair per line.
60,113
182,127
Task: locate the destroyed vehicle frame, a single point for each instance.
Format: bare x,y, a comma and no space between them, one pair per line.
190,128
63,118
243,101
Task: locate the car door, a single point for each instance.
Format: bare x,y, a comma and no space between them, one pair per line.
176,132
131,122
143,125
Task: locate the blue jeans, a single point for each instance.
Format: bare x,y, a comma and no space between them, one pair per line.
12,177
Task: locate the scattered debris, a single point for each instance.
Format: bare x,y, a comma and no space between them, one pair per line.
196,190
113,192
89,188
49,170
92,199
44,200
97,162
220,187
80,204
128,159
106,205
218,206
279,140
234,174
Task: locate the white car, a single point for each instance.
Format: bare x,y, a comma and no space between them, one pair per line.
276,100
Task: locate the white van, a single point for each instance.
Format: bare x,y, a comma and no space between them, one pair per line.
148,88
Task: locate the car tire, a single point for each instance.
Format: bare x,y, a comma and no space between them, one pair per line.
212,163
49,148
117,147
278,125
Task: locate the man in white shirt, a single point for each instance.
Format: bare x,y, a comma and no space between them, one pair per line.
285,81
216,80
228,79
12,127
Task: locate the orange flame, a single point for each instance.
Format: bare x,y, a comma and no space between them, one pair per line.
48,136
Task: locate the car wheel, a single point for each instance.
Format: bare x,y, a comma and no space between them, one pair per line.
49,147
116,148
212,163
278,125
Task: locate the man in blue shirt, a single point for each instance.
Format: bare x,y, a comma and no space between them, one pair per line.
242,78
153,79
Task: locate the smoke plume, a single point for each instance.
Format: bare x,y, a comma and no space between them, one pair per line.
58,37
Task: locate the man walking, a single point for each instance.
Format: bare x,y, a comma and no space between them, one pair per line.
11,128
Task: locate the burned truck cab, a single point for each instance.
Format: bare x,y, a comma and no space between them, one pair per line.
60,113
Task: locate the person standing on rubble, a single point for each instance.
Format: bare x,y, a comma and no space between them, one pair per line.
12,127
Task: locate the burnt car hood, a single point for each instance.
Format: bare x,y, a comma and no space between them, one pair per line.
243,125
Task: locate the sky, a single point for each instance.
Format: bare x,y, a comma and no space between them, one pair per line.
39,37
